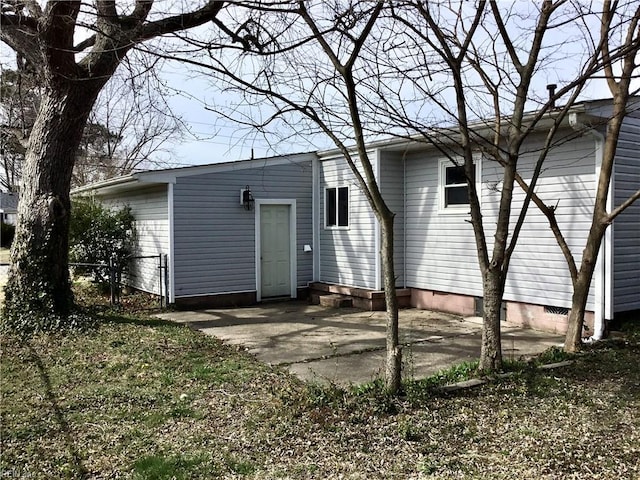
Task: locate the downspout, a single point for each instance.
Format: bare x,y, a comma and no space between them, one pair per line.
377,236
604,262
608,251
315,217
404,220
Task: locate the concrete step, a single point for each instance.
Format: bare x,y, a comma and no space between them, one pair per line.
335,301
362,298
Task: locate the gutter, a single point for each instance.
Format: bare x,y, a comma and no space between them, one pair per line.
113,182
603,271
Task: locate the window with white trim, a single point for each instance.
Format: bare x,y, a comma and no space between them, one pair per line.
454,190
336,207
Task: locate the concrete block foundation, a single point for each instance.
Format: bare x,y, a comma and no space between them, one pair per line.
443,302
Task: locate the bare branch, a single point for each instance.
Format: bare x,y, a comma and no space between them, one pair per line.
20,33
623,206
180,22
549,212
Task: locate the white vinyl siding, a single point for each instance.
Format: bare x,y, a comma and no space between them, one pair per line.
347,256
441,250
538,272
149,207
626,227
214,235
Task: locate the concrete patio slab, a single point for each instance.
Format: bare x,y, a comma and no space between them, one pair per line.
346,345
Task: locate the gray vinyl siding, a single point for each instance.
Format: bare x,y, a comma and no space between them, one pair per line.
626,227
214,236
392,188
347,256
150,210
440,247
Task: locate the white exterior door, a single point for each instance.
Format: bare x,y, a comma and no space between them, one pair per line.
275,250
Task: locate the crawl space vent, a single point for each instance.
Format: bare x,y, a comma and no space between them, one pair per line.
557,310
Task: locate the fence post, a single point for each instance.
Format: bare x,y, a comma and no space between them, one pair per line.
166,280
160,277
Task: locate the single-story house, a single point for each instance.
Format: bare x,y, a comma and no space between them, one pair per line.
311,226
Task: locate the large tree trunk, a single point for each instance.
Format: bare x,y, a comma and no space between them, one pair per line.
39,289
393,365
491,349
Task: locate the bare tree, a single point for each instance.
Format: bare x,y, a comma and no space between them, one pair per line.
492,54
615,19
299,66
453,60
127,130
71,76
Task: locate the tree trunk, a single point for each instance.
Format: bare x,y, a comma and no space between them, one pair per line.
573,338
393,377
491,350
393,367
39,288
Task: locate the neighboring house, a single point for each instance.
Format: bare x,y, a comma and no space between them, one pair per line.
435,253
309,208
8,207
219,252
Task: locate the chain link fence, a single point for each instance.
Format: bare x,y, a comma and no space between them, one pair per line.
118,276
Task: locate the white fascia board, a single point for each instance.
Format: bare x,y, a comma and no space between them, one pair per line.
335,153
117,187
416,141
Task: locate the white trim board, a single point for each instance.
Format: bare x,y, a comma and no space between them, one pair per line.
172,270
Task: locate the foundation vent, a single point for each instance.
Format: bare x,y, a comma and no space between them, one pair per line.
556,310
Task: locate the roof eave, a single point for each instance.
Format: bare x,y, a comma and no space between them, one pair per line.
417,141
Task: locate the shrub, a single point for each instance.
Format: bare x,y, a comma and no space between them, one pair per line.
8,231
97,234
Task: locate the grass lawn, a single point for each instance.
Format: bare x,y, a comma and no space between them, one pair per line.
146,399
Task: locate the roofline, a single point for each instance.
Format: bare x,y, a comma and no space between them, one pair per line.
170,175
111,182
417,140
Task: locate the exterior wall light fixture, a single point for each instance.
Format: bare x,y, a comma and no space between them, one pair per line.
246,198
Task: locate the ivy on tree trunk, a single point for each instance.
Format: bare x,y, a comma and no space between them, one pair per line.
39,285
